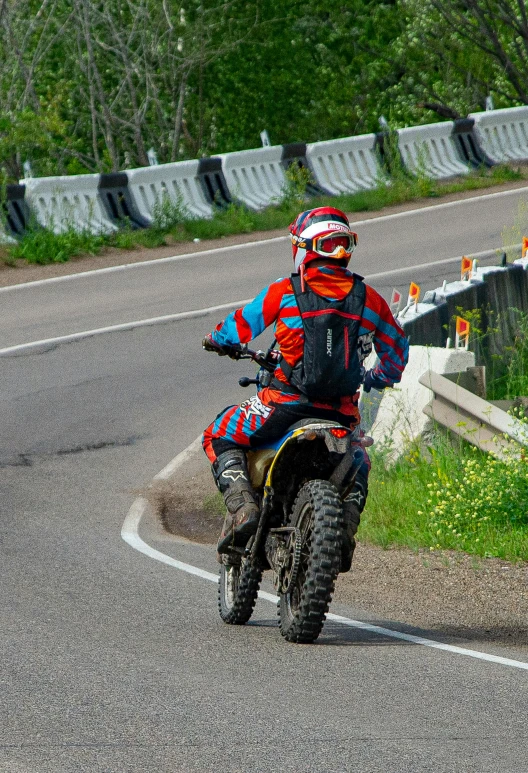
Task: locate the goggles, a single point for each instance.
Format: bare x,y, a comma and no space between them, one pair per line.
335,245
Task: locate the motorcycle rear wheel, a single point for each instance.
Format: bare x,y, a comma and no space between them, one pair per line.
238,590
318,514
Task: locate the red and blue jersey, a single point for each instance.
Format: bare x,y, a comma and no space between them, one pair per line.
276,305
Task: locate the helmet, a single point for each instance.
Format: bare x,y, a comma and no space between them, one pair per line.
323,232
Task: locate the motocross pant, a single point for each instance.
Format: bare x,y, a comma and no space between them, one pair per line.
266,417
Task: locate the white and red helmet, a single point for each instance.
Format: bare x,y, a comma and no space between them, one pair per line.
323,232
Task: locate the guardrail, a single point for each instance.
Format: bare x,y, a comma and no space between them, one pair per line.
503,134
479,422
177,183
347,165
257,177
431,150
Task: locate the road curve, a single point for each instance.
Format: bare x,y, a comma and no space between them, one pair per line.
115,662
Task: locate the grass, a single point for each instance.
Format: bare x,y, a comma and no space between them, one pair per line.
452,497
172,224
500,342
42,246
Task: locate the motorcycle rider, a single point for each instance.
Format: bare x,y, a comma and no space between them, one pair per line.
322,244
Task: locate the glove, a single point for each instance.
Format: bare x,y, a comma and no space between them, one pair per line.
236,351
210,345
371,381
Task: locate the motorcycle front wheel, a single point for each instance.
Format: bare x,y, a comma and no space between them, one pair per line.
318,514
238,590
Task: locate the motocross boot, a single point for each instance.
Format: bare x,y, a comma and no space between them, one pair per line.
232,478
353,505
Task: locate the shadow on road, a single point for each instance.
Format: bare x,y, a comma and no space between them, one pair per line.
336,634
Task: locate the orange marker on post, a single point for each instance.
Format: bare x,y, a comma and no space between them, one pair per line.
414,294
462,333
395,302
524,252
465,269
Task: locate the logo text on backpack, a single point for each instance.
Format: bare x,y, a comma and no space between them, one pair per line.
329,342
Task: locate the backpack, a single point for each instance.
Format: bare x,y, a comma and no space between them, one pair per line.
330,367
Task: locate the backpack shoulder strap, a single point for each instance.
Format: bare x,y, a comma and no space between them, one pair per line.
296,284
359,289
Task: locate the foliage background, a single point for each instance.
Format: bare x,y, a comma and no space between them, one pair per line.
91,85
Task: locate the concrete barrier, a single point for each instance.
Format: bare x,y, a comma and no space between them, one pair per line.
15,213
503,134
177,183
345,166
255,177
395,417
4,237
294,154
467,142
61,203
213,182
119,202
431,149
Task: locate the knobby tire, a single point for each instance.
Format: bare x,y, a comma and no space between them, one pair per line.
302,610
238,609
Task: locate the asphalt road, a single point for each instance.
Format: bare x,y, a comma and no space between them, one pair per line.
114,662
395,243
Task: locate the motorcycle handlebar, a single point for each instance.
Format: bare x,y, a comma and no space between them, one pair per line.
242,352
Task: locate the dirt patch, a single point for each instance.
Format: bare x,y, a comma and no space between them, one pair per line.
22,272
458,595
452,593
187,508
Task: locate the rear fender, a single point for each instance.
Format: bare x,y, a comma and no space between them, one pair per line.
318,431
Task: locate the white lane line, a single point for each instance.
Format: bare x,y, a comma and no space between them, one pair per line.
47,342
445,205
51,342
130,534
444,261
141,264
260,242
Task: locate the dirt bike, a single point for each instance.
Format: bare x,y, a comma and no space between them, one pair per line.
300,484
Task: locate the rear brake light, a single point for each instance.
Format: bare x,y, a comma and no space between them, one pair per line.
339,432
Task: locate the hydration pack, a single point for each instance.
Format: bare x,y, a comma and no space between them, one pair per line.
330,367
